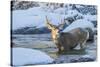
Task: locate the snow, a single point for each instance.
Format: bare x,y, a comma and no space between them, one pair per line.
36,16
83,23
60,10
67,13
33,17
23,18
79,6
77,47
25,56
73,13
90,17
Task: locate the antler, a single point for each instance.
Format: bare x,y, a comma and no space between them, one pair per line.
62,24
49,25
47,21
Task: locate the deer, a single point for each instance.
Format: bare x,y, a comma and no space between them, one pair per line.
66,41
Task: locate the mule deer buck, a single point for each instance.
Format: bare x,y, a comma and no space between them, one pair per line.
66,41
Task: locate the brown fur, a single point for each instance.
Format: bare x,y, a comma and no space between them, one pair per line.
71,39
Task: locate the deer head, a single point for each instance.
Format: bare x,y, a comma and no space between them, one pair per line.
55,30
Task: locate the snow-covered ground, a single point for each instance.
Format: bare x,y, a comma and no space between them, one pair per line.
26,56
90,17
36,16
79,23
33,17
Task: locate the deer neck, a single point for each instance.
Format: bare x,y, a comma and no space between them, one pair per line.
55,38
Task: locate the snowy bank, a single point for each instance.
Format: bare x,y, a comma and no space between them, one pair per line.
25,56
90,17
34,17
79,23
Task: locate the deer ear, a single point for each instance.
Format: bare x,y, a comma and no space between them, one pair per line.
62,25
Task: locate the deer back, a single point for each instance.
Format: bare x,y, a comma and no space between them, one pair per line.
72,38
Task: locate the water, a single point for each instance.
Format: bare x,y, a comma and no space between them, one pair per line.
43,42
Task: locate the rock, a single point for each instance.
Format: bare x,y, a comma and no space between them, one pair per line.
58,61
87,59
73,60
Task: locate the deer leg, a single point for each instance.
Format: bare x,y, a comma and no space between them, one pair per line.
82,45
66,48
59,48
77,47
